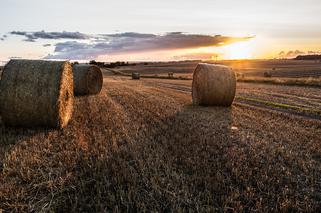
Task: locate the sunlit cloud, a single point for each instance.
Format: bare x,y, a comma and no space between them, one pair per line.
295,53
81,46
198,56
134,43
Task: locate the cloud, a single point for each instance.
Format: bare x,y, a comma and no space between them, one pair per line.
197,56
314,52
32,36
3,37
81,46
109,44
295,53
130,35
46,45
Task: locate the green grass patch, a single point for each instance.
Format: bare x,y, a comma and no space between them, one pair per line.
310,82
281,105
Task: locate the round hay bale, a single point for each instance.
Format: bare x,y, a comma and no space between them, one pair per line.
213,85
267,74
135,76
36,93
88,79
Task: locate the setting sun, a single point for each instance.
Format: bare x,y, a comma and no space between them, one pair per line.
240,50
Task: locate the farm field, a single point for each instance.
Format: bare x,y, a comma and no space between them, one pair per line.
141,145
160,106
248,68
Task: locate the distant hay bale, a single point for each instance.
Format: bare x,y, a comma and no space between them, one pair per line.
88,79
135,76
239,75
36,93
267,74
213,85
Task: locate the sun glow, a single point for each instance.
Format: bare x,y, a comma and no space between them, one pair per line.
240,50
249,49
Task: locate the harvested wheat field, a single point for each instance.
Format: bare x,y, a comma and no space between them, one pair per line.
140,145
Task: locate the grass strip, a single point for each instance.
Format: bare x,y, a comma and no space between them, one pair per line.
286,82
280,105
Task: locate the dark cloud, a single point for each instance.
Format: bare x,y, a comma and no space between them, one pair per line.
46,45
32,36
136,42
29,40
22,33
3,37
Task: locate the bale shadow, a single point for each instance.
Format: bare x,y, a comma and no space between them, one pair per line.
11,136
171,164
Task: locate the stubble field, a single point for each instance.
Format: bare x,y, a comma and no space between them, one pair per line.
141,145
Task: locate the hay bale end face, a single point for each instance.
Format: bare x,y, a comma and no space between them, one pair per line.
36,93
213,85
135,76
88,79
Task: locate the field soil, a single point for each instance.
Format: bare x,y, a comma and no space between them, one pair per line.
140,145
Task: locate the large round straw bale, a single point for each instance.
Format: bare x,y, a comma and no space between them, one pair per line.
135,76
213,85
36,93
88,79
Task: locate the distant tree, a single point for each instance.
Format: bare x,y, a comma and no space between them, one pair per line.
99,64
308,57
93,62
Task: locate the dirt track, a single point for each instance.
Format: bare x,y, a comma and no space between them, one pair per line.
142,145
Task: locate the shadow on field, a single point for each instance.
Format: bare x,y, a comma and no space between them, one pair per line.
10,136
173,164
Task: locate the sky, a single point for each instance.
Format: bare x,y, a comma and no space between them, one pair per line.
158,30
